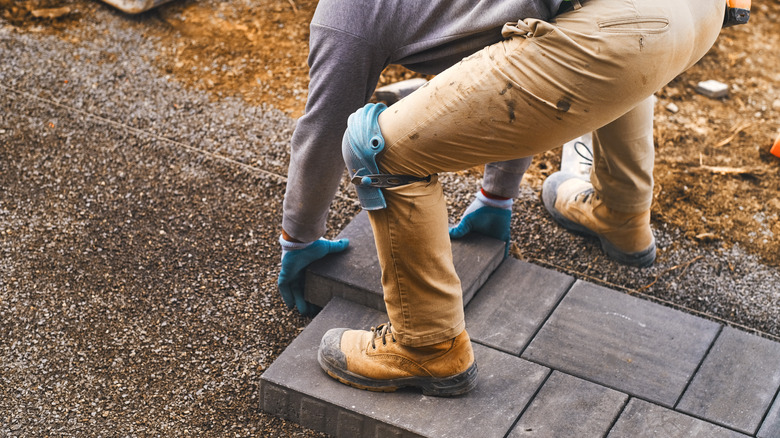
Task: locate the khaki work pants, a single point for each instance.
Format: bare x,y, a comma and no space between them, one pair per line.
594,68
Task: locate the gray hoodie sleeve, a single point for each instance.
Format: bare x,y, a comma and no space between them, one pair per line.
344,72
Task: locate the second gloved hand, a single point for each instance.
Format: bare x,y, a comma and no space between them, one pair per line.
295,258
487,216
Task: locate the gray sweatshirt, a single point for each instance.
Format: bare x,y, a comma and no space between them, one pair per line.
351,42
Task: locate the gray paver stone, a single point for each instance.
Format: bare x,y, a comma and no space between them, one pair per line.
623,342
356,276
736,383
509,309
644,419
570,407
771,426
295,382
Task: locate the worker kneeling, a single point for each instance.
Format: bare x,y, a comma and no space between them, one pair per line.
594,68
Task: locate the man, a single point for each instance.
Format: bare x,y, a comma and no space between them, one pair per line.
594,67
351,42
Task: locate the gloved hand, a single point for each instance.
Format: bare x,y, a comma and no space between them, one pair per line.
486,216
294,263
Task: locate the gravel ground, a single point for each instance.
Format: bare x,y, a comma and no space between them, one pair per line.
138,226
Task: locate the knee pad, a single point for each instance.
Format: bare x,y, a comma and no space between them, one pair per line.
360,146
362,142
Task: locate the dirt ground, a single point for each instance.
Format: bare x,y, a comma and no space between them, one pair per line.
715,179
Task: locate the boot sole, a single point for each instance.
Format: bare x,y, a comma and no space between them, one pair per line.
431,386
641,259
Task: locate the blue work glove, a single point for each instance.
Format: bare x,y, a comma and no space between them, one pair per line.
294,263
486,216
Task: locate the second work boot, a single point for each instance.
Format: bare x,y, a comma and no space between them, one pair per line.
573,203
375,361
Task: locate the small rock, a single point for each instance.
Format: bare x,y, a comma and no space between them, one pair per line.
51,13
775,106
672,108
712,89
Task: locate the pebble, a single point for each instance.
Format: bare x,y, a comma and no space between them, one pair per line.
712,89
672,108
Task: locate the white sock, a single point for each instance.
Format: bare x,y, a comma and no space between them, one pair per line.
288,246
483,201
497,203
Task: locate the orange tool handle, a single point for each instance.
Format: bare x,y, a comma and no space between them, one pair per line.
739,4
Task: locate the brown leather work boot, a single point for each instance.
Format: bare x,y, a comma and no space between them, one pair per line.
573,203
375,361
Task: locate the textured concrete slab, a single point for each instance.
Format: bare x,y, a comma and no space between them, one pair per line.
771,426
355,274
736,383
509,309
296,388
643,419
570,407
623,342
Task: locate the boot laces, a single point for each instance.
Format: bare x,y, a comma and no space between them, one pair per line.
586,195
584,152
382,331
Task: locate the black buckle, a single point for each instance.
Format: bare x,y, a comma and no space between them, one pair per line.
384,181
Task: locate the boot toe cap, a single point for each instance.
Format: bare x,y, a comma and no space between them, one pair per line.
329,354
550,193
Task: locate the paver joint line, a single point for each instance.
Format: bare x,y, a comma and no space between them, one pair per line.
530,402
775,424
632,397
549,315
617,417
667,303
697,417
775,400
698,367
737,382
605,385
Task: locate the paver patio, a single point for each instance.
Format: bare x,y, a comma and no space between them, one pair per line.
557,357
